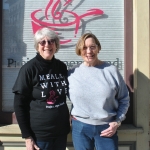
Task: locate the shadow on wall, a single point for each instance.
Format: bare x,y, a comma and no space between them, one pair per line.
1,146
129,115
139,87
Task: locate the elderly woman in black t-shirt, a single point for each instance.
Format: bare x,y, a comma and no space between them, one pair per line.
40,96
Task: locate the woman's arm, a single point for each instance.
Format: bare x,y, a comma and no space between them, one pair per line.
21,107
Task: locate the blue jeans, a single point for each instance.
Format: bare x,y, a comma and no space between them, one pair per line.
58,143
86,137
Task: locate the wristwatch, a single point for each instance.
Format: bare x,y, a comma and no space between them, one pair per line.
119,123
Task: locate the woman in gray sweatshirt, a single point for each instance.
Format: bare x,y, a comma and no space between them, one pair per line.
99,96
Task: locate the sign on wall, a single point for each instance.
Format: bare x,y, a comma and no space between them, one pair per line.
69,19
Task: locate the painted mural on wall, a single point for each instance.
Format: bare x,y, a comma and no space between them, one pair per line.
69,19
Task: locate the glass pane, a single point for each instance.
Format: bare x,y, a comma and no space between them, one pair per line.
70,19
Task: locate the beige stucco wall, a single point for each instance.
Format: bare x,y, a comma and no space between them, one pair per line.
141,57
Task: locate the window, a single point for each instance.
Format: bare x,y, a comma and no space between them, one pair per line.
106,19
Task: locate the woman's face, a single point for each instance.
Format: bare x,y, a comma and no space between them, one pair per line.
47,48
89,52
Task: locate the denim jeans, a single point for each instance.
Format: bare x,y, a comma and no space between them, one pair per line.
58,143
86,137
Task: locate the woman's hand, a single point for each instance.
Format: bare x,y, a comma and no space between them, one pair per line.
30,144
111,130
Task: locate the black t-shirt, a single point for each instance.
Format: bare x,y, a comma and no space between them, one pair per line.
44,85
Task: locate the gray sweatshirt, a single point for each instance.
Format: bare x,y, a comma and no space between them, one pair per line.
99,94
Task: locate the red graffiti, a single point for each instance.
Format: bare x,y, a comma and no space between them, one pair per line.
57,15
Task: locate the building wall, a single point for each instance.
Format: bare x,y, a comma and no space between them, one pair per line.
131,137
141,66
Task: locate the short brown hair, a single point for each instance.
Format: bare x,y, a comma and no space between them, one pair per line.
81,42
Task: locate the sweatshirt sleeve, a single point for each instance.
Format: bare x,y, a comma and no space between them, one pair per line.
21,107
123,98
23,83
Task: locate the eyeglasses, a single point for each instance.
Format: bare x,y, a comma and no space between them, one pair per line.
50,42
92,48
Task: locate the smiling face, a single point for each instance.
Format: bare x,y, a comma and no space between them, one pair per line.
89,52
47,49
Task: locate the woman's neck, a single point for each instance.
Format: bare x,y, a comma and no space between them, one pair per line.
95,63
